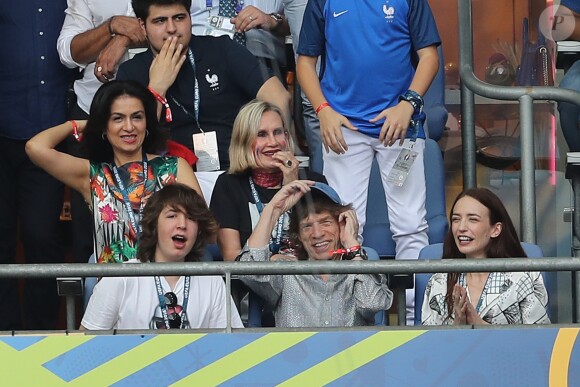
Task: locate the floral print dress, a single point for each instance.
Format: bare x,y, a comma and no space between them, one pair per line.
114,237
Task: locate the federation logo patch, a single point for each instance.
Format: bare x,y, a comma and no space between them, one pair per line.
213,81
389,12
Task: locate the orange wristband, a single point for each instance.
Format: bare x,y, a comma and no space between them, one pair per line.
76,134
320,107
162,101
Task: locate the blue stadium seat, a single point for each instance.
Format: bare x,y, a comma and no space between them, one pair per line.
435,251
435,102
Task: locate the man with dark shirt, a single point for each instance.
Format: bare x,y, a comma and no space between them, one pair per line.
203,80
33,84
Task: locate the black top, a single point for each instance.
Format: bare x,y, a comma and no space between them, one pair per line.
234,206
228,75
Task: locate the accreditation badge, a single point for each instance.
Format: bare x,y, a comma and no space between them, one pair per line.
206,149
403,164
220,25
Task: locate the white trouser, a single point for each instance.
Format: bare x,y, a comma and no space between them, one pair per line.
349,175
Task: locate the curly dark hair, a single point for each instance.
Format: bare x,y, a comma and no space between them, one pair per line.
505,245
312,202
96,147
186,200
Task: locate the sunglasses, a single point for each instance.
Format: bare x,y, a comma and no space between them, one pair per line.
173,313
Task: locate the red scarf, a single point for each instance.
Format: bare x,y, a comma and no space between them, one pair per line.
267,179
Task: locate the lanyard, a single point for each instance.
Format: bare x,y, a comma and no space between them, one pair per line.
417,121
136,228
274,245
196,98
163,305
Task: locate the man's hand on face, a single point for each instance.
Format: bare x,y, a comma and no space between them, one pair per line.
348,224
166,65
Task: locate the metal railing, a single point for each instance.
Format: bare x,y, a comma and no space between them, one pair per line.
470,84
228,269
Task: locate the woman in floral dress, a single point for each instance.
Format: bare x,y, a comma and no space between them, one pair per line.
123,142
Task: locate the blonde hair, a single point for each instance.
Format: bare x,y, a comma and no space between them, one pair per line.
245,132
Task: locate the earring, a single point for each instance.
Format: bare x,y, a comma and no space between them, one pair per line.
103,136
146,132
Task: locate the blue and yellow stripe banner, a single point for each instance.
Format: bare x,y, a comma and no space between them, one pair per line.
540,356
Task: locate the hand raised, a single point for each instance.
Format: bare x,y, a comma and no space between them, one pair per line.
288,164
460,301
348,225
166,65
289,195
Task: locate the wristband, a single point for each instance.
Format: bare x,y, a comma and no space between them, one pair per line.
111,26
350,250
320,107
414,99
162,101
76,134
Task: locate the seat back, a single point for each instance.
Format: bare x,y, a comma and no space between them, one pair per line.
434,102
377,233
435,251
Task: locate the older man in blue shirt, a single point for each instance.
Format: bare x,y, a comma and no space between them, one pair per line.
33,86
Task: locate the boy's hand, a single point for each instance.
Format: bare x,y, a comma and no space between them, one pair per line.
331,124
397,119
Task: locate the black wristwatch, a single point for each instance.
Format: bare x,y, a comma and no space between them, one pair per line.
277,17
358,253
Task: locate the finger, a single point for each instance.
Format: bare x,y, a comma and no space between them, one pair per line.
346,123
399,132
172,46
341,142
378,117
383,133
402,139
102,75
388,136
180,61
177,54
329,143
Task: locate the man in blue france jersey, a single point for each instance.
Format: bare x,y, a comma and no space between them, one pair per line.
379,58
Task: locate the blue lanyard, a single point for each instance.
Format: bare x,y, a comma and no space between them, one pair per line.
196,98
274,245
417,122
137,228
163,305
